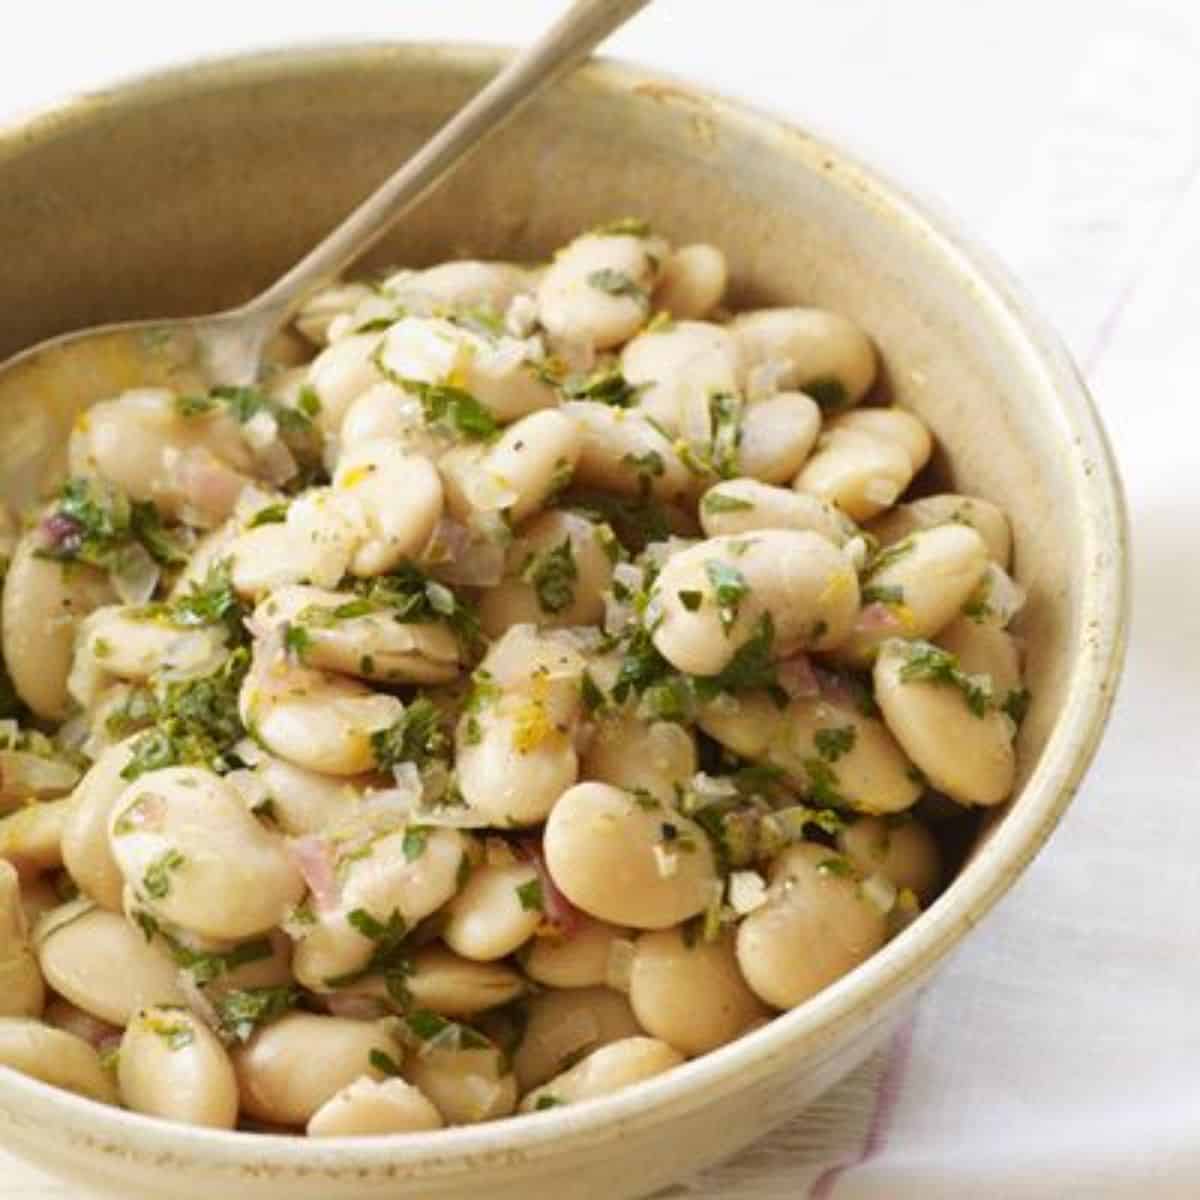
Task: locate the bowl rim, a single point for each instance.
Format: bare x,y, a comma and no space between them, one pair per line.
818,1025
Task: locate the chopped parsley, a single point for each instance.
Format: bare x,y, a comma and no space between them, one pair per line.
691,600
156,882
296,641
824,788
606,385
428,1026
1016,704
416,838
409,596
176,1032
837,866
753,666
416,736
591,693
617,283
649,464
729,587
880,593
383,1063
271,514
530,896
889,555
720,502
828,391
831,744
204,967
444,406
552,575
546,1101
624,227
241,1011
929,663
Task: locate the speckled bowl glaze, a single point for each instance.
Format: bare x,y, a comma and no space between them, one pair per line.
187,191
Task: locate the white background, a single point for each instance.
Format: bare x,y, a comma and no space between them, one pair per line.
1059,1054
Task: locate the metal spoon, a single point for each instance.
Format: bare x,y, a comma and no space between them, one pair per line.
44,388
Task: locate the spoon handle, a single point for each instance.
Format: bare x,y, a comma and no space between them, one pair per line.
560,48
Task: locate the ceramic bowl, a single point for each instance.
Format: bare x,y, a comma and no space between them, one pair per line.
188,191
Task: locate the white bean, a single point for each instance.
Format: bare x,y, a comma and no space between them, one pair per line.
825,746
340,374
819,352
966,754
497,911
465,284
22,993
604,1071
371,645
401,878
463,1074
691,996
58,1058
890,425
396,498
31,837
316,721
499,372
597,290
860,473
515,749
652,756
987,519
677,369
799,581
457,987
301,801
777,435
559,1026
86,850
44,602
77,946
323,306
627,859
739,506
172,1066
921,583
289,1069
555,575
368,1107
388,411
900,849
529,463
984,649
693,281
815,926
579,959
197,859
623,452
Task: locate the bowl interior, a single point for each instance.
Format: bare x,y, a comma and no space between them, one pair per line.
189,192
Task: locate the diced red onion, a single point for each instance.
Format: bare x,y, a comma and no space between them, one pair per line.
797,677
314,858
558,910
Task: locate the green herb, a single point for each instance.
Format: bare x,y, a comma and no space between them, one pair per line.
725,411
272,514
671,699
636,522
241,1011
690,600
553,575
452,408
833,743
828,391
624,227
753,666
644,799
837,866
196,721
641,666
157,879
383,1063
546,1101
202,966
176,1033
718,502
929,663
648,465
409,597
530,896
606,385
593,697
425,1026
296,641
890,555
1016,704
824,787
617,283
882,594
729,587
308,402
416,736
212,601
416,837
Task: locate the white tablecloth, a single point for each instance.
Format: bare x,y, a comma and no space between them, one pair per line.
1057,1056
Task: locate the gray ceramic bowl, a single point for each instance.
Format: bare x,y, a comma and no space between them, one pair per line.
187,191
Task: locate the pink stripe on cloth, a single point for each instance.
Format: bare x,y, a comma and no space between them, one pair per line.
890,1088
